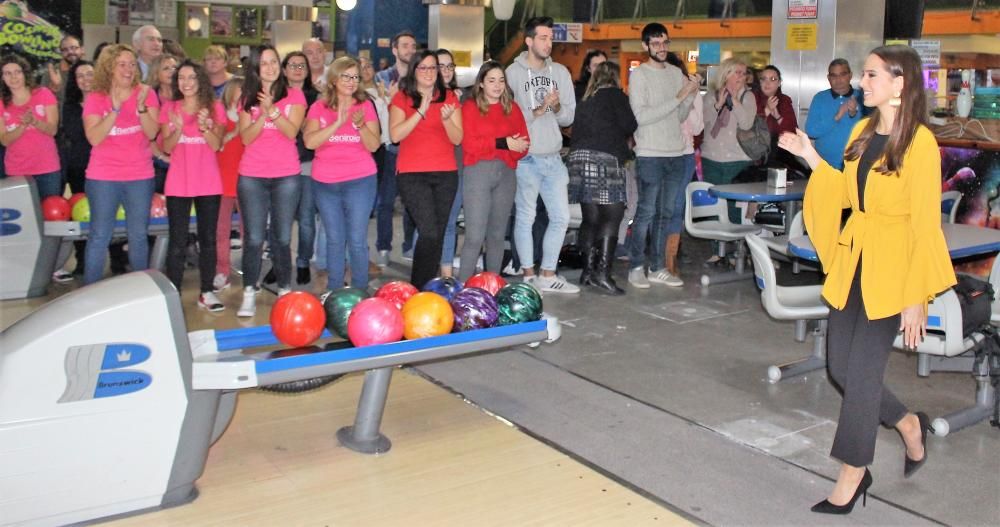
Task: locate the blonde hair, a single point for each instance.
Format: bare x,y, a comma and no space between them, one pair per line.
333,73
230,89
725,68
216,51
604,76
153,73
106,65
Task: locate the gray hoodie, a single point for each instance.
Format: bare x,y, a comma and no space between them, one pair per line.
530,87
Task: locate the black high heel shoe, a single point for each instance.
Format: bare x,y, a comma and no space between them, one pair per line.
910,466
825,507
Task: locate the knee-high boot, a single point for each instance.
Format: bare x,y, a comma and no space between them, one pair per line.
673,246
588,253
604,256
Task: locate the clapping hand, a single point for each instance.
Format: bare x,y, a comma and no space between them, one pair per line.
772,106
177,121
518,143
358,119
446,111
266,102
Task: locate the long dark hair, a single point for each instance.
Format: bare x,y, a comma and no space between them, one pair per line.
29,77
454,78
900,61
73,93
252,85
408,84
585,69
206,94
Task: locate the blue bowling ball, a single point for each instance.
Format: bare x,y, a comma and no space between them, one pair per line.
445,286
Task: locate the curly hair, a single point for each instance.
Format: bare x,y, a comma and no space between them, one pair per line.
29,79
206,94
104,69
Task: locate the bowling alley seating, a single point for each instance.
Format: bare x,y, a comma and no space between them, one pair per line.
707,217
949,205
779,242
798,303
946,349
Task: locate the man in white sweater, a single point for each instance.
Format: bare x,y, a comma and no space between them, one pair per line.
661,96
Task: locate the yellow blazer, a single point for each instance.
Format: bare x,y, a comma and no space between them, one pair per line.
898,238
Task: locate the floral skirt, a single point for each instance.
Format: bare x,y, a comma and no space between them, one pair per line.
595,177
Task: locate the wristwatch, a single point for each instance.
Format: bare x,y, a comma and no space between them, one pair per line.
142,110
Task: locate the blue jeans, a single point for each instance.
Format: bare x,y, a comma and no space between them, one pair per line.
450,236
50,184
306,216
321,243
544,176
660,180
259,197
104,198
386,201
675,225
344,209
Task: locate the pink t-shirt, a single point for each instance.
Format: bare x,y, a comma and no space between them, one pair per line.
194,168
272,154
124,154
33,153
343,156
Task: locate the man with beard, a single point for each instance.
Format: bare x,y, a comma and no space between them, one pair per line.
54,77
404,46
661,96
544,91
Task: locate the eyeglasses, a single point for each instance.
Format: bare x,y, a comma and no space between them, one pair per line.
349,78
297,66
426,69
769,79
446,67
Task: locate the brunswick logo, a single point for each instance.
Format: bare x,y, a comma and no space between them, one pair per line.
27,33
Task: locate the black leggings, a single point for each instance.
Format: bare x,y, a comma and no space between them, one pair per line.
599,221
857,353
179,217
428,197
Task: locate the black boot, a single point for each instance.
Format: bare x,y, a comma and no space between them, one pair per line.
601,276
586,276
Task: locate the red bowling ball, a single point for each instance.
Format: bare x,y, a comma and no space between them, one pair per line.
56,208
396,292
158,206
76,197
297,319
491,282
374,321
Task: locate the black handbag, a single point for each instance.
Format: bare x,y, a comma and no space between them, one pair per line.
756,141
770,214
975,296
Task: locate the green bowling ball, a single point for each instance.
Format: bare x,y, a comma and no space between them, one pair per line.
518,303
120,215
338,305
81,210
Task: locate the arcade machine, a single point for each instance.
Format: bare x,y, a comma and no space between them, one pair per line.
108,406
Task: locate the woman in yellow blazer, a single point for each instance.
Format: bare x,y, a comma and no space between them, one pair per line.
883,266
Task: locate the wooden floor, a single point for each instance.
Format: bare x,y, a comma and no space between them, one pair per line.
450,464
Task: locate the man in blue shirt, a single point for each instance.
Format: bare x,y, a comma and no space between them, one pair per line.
833,114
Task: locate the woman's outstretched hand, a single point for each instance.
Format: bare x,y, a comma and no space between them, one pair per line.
800,145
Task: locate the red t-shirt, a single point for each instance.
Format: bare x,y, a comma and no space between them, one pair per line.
33,153
480,133
427,148
229,159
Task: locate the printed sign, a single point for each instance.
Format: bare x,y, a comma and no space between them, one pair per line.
929,51
27,33
709,52
801,37
572,33
803,8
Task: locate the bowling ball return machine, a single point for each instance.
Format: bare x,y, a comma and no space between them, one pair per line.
109,407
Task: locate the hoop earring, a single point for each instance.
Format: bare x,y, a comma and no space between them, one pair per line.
895,100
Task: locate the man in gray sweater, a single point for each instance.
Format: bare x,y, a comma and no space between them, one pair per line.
661,97
544,91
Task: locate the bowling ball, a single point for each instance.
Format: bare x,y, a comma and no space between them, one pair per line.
297,319
76,197
120,215
427,314
518,303
397,292
445,286
474,308
338,305
158,206
374,321
55,208
81,211
491,282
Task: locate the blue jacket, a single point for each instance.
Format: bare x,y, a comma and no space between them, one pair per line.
830,135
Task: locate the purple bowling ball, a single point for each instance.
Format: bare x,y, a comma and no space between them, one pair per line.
445,286
474,308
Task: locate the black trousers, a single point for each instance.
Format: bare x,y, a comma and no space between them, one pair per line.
428,197
857,353
179,219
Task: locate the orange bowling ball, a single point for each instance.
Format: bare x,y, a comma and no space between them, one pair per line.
427,315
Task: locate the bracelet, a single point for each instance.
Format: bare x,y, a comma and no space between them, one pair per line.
356,127
115,110
422,116
275,113
142,110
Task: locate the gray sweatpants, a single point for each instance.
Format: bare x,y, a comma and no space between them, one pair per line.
487,196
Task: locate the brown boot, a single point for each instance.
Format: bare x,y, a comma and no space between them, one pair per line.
673,245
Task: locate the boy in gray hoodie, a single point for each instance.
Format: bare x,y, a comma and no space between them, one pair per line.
543,90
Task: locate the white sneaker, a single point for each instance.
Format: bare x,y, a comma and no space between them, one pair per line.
510,271
62,276
664,277
209,301
383,259
220,283
249,306
554,284
637,277
283,291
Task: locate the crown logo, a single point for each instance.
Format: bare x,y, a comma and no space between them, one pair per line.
124,356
